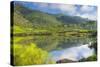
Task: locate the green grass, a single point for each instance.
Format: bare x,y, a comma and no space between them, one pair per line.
18,29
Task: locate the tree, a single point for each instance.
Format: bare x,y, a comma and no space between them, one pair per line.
28,55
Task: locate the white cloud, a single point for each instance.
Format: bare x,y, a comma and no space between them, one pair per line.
87,12
69,9
70,54
84,11
72,10
87,8
62,7
66,8
74,53
88,15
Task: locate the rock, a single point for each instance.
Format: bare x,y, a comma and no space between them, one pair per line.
65,61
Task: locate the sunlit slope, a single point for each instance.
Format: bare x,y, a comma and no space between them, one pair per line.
21,25
27,20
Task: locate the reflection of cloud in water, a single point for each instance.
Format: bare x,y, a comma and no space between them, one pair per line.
74,53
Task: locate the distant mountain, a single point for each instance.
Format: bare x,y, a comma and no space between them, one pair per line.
29,20
34,15
71,19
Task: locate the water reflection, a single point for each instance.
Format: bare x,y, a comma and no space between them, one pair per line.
72,48
73,53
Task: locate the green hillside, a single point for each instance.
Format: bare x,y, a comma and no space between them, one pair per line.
36,34
27,20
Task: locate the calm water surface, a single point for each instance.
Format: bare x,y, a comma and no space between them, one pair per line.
61,47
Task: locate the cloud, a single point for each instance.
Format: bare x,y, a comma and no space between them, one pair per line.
63,8
69,9
89,16
89,12
85,11
87,8
76,53
73,53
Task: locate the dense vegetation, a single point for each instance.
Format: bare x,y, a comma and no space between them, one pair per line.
28,54
28,22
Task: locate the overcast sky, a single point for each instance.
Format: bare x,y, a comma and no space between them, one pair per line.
85,11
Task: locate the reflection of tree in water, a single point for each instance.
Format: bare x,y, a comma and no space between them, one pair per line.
50,43
71,42
47,43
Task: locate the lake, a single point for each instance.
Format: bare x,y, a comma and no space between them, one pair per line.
60,47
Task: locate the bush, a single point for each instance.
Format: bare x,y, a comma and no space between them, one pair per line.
91,58
28,54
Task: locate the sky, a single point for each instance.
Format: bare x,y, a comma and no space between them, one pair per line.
85,11
73,53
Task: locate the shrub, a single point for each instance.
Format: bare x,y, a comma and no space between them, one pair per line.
28,54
